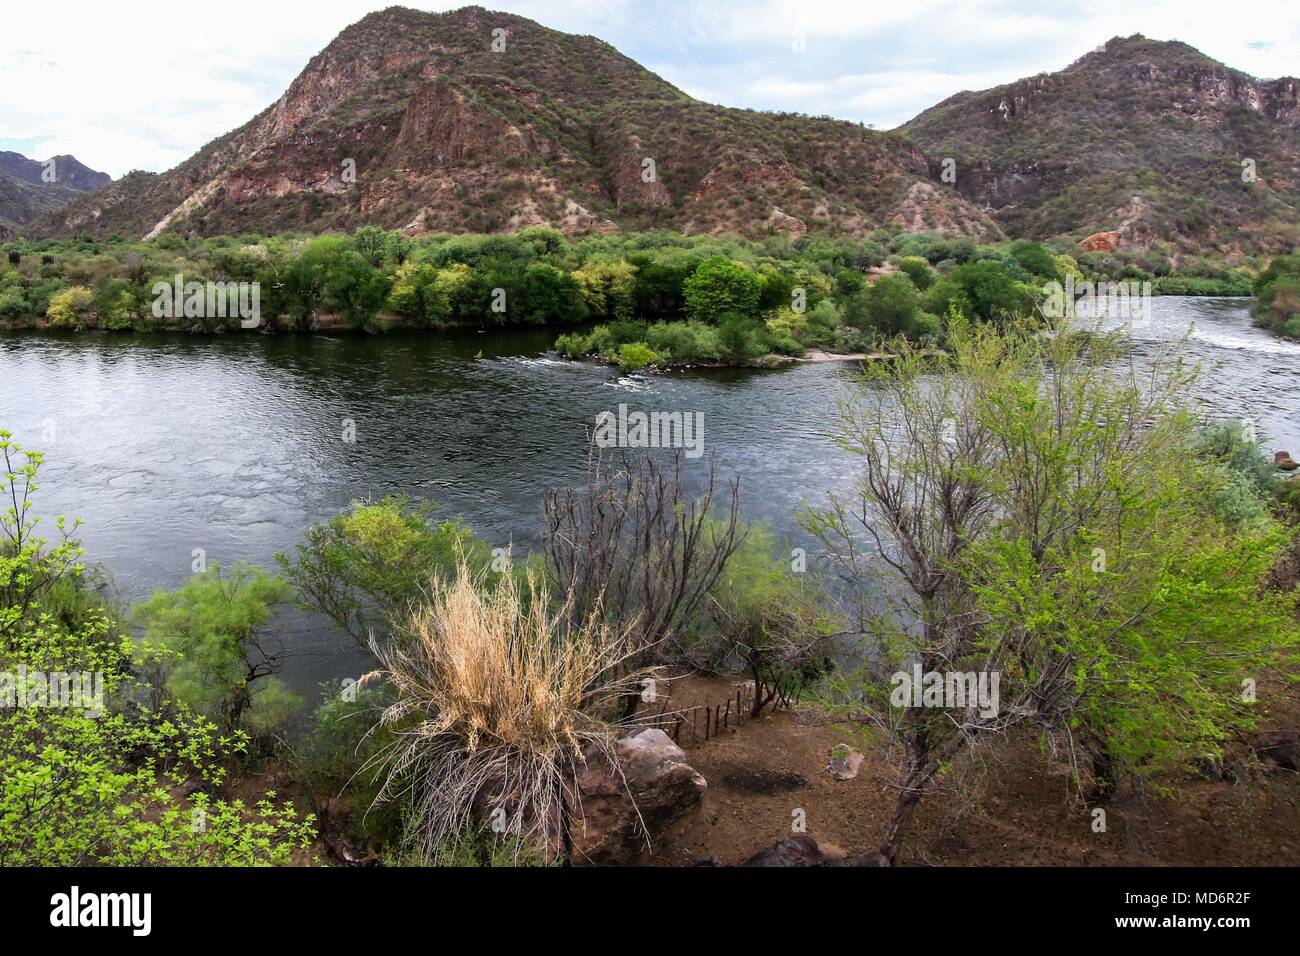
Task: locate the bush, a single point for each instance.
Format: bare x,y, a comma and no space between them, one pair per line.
517,691
918,270
635,355
71,308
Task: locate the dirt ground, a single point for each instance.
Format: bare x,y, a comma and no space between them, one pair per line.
761,773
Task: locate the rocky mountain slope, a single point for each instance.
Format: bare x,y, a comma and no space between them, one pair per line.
479,121
1149,139
25,195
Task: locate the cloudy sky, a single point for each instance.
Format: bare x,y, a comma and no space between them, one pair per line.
143,85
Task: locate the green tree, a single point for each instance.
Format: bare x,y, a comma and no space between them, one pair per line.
1118,610
205,644
892,305
72,308
363,568
918,270
719,286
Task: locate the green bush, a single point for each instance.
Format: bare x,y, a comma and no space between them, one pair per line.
635,355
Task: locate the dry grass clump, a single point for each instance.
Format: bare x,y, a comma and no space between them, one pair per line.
499,694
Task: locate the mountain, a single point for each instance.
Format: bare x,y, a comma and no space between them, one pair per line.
26,195
448,134
1146,138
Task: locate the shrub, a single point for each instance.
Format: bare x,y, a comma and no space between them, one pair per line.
510,693
635,355
71,308
918,270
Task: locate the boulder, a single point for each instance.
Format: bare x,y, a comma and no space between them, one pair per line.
845,762
1100,242
797,850
621,811
1284,461
1280,748
803,850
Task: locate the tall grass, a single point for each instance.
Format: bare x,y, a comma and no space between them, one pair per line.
500,692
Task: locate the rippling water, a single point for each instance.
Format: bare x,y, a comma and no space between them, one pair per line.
164,444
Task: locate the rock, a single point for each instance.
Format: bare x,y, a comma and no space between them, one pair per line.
845,762
1100,242
195,785
865,858
619,815
798,850
1280,748
1284,461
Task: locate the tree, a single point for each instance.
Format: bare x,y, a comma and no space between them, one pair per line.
992,294
206,646
552,296
363,568
892,305
634,546
775,625
918,270
72,308
1034,259
719,286
1038,517
608,288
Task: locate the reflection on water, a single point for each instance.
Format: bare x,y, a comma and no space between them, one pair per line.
164,444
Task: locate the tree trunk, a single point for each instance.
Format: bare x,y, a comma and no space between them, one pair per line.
901,821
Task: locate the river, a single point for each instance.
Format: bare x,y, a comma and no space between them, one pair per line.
167,443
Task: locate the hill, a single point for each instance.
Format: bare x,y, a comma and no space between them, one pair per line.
25,193
1150,139
480,121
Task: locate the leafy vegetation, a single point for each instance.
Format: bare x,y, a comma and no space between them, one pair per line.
1092,592
99,781
1277,297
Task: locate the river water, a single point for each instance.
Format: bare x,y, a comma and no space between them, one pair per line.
164,444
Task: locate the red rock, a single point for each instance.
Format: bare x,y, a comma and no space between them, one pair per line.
1100,242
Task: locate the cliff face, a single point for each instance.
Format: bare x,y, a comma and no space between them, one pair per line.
478,121
1151,139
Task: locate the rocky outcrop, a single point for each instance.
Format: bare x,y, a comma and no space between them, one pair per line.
1284,461
1100,242
928,208
622,808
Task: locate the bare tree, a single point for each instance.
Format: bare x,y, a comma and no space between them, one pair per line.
633,543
